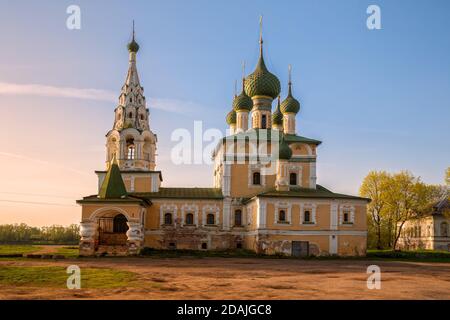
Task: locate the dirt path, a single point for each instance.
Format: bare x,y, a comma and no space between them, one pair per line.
48,249
232,278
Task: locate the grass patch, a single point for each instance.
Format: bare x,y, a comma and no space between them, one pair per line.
413,255
17,249
41,276
69,252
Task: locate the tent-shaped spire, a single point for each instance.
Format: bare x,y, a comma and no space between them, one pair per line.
112,186
132,75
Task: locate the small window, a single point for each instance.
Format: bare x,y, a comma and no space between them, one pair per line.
239,245
130,115
282,216
307,216
131,99
189,219
142,117
263,121
238,218
172,246
444,229
204,245
293,179
256,178
210,219
346,217
168,218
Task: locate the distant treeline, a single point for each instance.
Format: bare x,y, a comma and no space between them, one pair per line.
22,233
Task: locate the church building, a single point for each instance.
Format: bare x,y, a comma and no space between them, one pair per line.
264,198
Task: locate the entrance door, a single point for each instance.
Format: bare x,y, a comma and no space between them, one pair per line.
300,248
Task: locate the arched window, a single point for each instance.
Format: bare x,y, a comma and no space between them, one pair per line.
263,121
168,218
120,224
189,219
293,179
210,219
307,216
444,229
238,218
130,115
142,117
256,178
281,215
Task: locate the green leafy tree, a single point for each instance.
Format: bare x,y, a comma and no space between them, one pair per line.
408,197
375,186
447,177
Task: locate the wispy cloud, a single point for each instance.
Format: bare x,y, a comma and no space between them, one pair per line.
43,162
53,91
174,105
163,104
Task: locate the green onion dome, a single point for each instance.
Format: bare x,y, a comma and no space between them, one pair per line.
133,46
242,102
261,82
285,152
290,104
277,116
231,117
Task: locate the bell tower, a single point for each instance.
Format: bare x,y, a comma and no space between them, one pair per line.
131,141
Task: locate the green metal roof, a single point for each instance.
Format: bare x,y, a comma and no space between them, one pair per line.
277,116
261,82
284,151
182,193
112,186
319,192
231,117
290,104
292,138
242,102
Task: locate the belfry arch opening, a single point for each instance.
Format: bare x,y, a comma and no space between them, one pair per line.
131,150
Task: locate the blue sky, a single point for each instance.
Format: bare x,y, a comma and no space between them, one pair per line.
378,99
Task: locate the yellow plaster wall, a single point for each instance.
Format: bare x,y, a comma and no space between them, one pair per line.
360,223
352,245
322,218
301,149
142,184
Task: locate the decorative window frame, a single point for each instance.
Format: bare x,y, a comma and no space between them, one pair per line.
312,207
189,208
256,168
281,205
168,208
233,217
351,209
211,208
297,170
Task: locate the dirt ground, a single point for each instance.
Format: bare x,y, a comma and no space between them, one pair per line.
248,278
